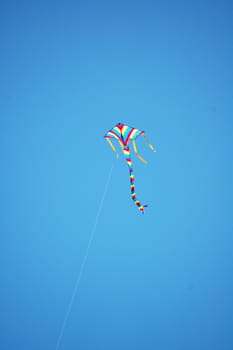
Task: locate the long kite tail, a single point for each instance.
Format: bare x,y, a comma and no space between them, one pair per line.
131,177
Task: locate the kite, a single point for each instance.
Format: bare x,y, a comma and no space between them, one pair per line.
124,133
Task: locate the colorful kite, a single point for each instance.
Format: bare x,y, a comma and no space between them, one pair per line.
124,133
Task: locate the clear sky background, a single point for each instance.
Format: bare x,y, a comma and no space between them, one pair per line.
69,71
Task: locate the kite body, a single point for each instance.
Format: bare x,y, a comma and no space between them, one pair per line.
124,133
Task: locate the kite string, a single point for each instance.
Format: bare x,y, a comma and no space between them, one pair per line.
84,259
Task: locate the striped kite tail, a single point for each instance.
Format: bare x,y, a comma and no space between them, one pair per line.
131,177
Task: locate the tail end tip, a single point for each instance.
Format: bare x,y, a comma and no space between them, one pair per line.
142,208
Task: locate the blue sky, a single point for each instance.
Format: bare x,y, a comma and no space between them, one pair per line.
69,71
